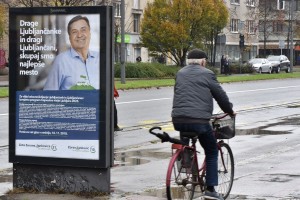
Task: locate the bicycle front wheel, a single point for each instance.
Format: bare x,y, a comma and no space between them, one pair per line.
181,180
225,170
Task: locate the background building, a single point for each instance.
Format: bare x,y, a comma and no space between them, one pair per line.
133,16
243,22
267,27
278,23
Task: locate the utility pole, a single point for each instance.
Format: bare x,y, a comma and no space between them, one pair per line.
241,43
123,42
292,36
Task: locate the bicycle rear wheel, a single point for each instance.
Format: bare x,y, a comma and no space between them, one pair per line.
181,180
225,170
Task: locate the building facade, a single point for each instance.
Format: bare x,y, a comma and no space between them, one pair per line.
263,24
243,20
243,23
135,52
279,28
267,27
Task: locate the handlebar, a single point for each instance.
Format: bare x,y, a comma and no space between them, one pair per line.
221,116
165,136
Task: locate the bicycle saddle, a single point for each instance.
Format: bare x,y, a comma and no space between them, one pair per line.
189,134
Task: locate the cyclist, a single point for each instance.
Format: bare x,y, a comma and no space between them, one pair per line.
194,91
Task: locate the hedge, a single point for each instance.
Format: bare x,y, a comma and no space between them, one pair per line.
157,70
147,70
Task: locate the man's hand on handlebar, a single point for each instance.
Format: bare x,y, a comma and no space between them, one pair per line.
232,115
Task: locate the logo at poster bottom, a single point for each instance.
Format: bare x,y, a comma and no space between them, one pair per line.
53,147
92,149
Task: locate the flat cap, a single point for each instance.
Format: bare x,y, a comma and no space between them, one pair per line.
196,54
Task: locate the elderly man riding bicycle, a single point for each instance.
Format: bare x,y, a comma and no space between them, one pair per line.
194,91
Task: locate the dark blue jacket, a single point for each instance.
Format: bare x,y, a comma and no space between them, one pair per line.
194,90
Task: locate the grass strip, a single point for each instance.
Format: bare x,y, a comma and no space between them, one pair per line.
144,83
148,83
156,83
3,92
255,77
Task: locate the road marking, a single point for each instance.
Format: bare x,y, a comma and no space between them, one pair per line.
140,101
148,123
256,90
242,91
278,151
160,99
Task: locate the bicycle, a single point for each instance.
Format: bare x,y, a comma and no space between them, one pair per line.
185,179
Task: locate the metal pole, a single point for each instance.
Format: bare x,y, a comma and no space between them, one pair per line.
122,42
292,37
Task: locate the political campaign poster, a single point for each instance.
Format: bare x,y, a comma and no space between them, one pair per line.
59,108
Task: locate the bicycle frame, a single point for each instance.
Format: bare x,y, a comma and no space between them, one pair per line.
175,155
184,170
179,149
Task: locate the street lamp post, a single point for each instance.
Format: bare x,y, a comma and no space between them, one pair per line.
123,42
292,36
241,42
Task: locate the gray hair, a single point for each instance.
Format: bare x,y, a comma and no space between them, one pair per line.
195,61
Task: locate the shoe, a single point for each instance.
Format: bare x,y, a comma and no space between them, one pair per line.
212,195
118,129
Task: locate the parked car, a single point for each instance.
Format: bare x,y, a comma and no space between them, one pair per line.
261,65
280,63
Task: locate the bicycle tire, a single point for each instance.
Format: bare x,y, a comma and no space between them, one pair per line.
181,181
225,170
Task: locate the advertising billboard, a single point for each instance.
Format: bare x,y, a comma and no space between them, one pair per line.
60,86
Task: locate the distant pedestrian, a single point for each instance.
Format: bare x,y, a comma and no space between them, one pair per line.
116,126
222,64
226,66
138,59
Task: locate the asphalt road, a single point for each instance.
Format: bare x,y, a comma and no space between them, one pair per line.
144,106
266,149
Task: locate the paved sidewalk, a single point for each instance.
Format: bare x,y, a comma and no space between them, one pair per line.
27,196
31,196
4,81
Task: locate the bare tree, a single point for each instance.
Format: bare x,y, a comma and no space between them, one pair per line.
270,18
73,2
3,21
211,35
26,3
45,3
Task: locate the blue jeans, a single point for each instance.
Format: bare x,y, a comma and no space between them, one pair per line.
208,142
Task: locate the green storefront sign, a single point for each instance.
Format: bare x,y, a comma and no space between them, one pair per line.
126,38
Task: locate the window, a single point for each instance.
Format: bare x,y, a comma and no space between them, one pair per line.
136,4
297,8
235,1
117,9
234,25
250,26
250,2
265,27
136,23
280,4
277,26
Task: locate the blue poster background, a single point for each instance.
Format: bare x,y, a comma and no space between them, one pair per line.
83,98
